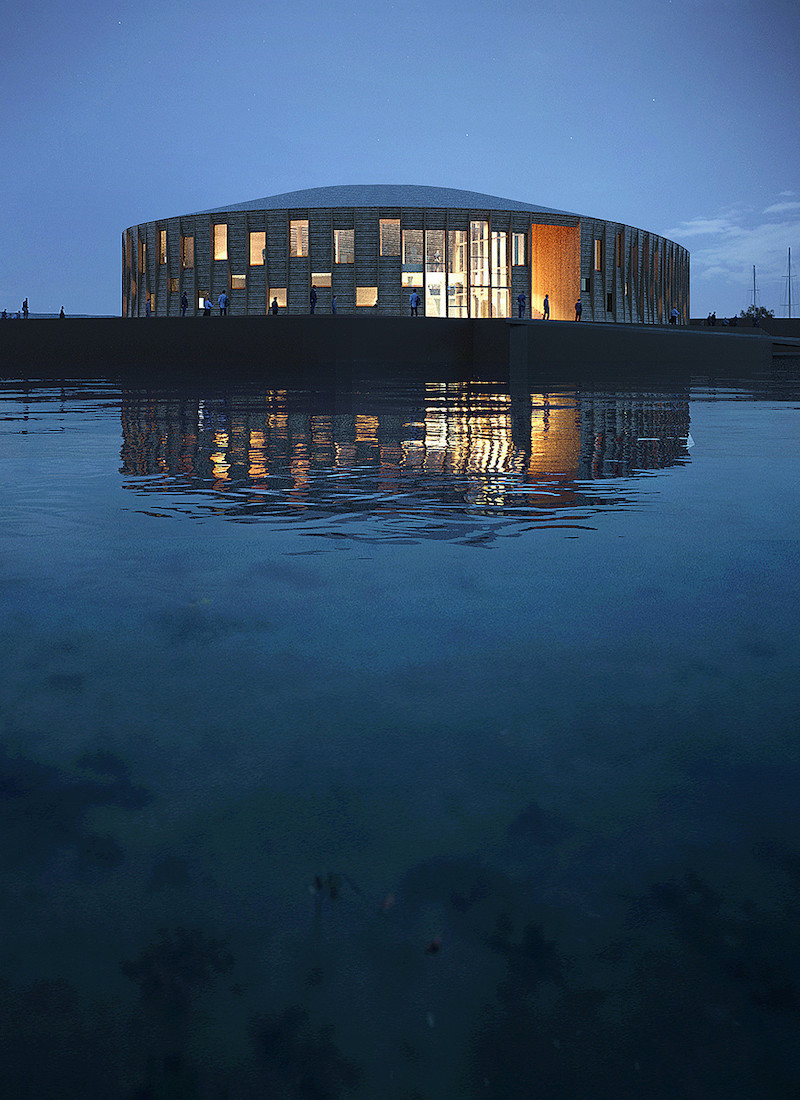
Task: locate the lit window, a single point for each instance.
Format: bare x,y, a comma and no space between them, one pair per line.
598,254
499,261
584,284
344,246
258,248
162,246
187,251
321,278
390,236
238,282
412,249
298,238
141,255
173,286
500,303
518,249
366,295
278,292
436,277
221,241
412,258
201,301
457,304
479,257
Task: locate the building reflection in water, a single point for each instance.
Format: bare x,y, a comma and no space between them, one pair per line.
469,446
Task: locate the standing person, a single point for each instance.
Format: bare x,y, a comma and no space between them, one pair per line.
206,306
521,303
546,308
147,307
274,307
222,302
313,297
414,301
333,304
62,314
673,316
578,309
184,304
25,309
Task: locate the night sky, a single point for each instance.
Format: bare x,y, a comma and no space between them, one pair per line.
676,116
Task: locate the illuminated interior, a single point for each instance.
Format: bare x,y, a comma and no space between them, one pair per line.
555,269
258,248
298,238
344,246
221,241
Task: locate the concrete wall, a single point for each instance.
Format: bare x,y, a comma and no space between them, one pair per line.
289,349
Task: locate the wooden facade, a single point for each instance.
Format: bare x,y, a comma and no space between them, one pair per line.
618,272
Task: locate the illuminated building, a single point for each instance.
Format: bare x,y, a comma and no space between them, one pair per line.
466,254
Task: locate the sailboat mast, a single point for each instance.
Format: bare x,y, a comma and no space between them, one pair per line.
790,283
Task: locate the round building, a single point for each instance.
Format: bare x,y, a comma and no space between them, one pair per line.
372,247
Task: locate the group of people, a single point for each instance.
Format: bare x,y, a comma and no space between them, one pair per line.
22,314
732,322
312,302
521,301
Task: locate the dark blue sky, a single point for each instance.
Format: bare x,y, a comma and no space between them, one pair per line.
675,116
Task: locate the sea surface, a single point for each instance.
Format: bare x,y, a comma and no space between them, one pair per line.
401,741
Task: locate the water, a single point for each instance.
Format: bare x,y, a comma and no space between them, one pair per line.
400,741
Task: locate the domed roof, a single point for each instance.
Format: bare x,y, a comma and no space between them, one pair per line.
385,195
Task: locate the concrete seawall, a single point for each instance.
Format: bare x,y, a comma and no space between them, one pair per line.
290,349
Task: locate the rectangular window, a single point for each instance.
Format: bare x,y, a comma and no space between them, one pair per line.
162,246
221,241
479,257
141,255
366,295
258,249
435,274
390,236
457,305
518,249
500,302
279,293
585,285
500,261
479,301
298,238
173,286
238,282
187,251
412,250
321,278
598,254
619,250
609,304
344,246
201,299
